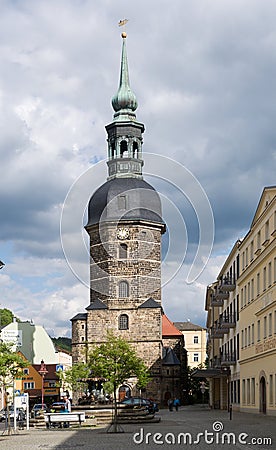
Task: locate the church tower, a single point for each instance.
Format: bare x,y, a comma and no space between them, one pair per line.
125,228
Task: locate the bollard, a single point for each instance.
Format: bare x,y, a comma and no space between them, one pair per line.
230,411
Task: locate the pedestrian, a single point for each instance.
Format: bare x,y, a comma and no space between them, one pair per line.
176,403
67,404
67,409
170,404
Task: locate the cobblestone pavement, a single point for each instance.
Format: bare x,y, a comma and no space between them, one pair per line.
195,427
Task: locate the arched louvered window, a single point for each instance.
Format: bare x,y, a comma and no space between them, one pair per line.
123,322
113,150
123,251
123,289
123,149
135,150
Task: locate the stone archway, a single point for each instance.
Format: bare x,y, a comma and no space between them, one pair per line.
263,395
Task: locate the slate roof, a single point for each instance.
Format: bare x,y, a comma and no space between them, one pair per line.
150,303
97,304
169,357
80,316
188,326
143,202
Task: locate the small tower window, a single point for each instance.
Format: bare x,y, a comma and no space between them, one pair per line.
123,149
135,150
122,202
113,150
123,251
123,322
123,289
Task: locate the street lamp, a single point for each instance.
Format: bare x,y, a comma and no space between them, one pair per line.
42,371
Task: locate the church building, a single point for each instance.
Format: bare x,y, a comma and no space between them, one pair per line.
125,227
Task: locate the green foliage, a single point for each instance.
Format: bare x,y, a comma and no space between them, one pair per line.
10,363
116,361
63,342
74,377
6,317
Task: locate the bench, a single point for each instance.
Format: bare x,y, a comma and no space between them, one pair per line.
54,418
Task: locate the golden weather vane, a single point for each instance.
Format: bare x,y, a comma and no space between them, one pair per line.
123,22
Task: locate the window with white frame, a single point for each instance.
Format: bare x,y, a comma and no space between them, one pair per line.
196,357
28,385
270,324
269,275
264,279
196,340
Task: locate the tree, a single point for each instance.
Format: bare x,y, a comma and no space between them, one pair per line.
6,317
11,365
74,377
116,361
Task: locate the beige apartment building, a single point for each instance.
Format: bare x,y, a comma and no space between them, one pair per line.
195,342
257,285
222,306
241,319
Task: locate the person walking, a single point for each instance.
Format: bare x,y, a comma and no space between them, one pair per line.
176,403
170,404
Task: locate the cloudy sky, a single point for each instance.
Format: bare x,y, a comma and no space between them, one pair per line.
204,75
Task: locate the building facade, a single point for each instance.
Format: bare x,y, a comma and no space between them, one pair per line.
125,228
241,319
257,285
195,342
222,306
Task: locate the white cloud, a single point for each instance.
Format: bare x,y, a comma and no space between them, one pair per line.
203,73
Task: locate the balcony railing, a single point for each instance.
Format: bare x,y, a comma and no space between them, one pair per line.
227,284
220,295
216,301
217,332
228,359
227,321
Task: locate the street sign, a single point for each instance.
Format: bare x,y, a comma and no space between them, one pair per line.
59,368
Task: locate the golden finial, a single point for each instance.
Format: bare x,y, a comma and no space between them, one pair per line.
122,23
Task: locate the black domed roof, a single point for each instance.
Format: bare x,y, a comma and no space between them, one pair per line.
125,199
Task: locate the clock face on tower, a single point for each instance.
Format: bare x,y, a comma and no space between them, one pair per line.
122,233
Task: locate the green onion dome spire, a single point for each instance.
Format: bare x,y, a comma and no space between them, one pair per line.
124,101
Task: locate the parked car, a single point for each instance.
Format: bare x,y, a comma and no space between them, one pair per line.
20,413
57,407
150,405
38,408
